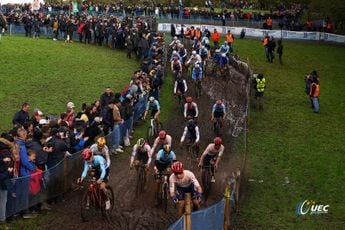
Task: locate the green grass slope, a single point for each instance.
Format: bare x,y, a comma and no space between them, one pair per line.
48,74
288,140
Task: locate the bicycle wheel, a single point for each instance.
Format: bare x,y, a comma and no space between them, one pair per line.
88,208
149,135
159,127
207,183
140,181
108,210
165,197
217,128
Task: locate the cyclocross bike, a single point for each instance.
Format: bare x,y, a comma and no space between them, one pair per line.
153,130
95,201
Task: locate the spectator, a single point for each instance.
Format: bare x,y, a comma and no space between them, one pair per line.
314,93
215,39
26,168
59,147
280,51
271,48
230,39
116,116
106,97
6,172
70,114
22,115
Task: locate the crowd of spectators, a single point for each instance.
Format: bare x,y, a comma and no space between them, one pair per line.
38,142
282,16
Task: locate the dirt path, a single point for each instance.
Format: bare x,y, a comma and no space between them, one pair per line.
139,213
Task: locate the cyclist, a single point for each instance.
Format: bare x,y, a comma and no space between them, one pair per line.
218,112
141,154
165,157
196,44
101,149
190,109
154,106
182,182
204,53
224,49
162,139
211,157
191,134
180,86
197,72
194,58
99,165
176,66
205,42
182,52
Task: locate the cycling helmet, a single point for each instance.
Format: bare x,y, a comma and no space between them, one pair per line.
193,52
86,154
217,141
151,99
177,167
189,99
141,142
167,148
174,52
175,38
225,42
219,102
101,142
162,134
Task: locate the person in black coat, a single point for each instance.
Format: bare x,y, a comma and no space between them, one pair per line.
22,116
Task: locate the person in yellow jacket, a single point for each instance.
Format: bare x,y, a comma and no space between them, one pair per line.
260,85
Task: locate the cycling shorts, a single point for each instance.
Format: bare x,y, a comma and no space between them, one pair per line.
209,158
218,114
98,173
181,191
142,157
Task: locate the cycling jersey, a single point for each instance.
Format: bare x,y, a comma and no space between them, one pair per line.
194,59
104,152
191,133
185,182
152,105
218,110
99,164
191,109
160,143
211,153
197,73
176,66
141,154
165,158
180,85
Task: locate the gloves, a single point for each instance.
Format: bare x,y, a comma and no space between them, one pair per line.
175,200
198,195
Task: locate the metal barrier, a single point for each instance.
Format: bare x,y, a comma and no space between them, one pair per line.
57,180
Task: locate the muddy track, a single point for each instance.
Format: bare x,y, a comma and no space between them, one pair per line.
131,212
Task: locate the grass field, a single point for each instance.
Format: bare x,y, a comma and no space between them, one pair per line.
49,74
285,140
288,140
